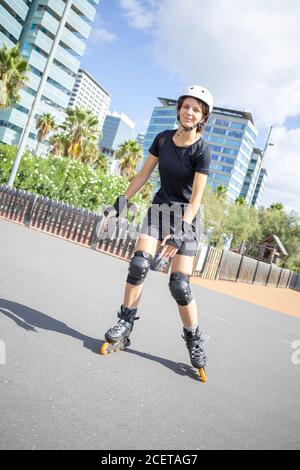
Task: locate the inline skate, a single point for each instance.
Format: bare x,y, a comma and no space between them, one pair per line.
195,343
117,337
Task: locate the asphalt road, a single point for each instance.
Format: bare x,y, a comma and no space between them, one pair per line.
56,301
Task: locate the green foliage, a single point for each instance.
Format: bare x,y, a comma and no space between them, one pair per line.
274,220
13,75
129,154
241,223
64,179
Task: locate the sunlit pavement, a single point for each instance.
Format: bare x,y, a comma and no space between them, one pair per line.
56,301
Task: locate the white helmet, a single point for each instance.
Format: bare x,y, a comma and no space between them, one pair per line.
200,93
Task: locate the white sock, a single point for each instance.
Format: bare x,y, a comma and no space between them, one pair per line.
191,329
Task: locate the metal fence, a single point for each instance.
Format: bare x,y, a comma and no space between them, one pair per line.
80,226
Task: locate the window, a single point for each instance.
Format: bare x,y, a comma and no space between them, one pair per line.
218,130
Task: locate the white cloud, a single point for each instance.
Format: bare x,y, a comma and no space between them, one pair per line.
283,166
248,55
100,35
139,13
246,52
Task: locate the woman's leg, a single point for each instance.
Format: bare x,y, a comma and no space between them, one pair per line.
133,293
182,267
188,313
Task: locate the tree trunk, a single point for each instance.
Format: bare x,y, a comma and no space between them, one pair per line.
38,147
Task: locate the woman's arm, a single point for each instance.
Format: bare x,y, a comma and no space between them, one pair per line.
199,184
142,177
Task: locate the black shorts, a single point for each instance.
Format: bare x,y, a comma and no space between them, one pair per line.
160,222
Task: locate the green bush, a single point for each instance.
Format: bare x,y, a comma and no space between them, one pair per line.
66,180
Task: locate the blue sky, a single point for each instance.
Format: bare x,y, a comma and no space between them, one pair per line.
141,49
124,65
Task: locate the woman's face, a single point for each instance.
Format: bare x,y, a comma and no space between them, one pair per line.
190,112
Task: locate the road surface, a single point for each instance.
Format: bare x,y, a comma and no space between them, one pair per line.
56,301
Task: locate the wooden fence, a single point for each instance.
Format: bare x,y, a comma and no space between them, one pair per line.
214,263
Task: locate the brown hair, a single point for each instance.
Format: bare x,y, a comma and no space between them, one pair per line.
204,109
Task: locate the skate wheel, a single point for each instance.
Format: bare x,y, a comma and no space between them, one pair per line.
202,374
104,348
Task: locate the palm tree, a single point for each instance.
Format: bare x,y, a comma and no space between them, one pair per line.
101,162
44,125
13,75
129,154
221,192
240,201
277,206
146,191
90,150
58,144
80,126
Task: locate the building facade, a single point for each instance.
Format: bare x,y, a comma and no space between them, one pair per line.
117,129
34,25
163,117
231,135
140,138
90,95
259,188
251,177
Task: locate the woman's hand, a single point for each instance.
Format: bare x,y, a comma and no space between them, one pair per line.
109,214
112,212
168,251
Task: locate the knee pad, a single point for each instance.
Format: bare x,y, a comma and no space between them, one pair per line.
179,286
139,267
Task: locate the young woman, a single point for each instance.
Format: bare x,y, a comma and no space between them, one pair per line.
183,160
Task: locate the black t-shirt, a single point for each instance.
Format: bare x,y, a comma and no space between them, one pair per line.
177,167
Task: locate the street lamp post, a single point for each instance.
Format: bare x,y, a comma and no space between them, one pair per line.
31,116
267,143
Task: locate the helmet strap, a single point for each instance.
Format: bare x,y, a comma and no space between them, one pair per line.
189,129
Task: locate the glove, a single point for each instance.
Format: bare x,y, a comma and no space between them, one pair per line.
119,206
182,232
110,212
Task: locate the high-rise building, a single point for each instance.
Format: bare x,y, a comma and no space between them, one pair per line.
34,24
90,95
251,177
117,129
13,15
163,117
140,140
230,134
259,189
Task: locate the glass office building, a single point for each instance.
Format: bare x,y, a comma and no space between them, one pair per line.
34,25
259,189
252,175
117,129
230,134
163,117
